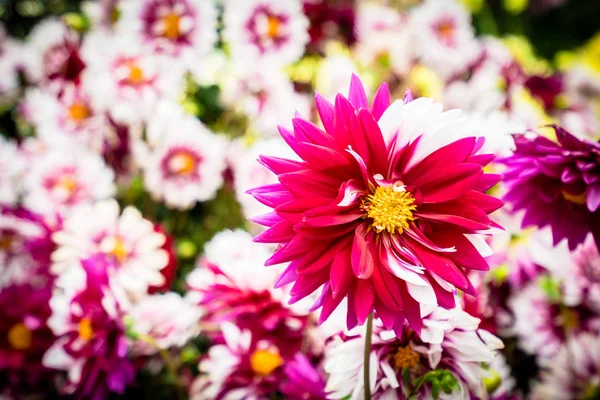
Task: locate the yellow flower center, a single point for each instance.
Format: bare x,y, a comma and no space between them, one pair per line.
575,198
391,208
79,112
86,332
182,163
171,26
19,336
404,357
264,362
274,24
68,183
492,381
119,250
136,75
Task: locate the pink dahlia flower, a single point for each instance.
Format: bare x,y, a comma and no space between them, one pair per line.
386,207
557,184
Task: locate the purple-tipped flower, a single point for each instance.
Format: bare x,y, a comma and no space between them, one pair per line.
557,184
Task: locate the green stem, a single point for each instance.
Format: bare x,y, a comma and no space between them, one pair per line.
366,380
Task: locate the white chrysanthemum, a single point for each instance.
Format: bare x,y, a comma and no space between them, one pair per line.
168,319
67,118
183,28
132,247
12,166
265,95
126,81
443,37
450,340
382,34
574,373
248,174
265,31
63,177
186,166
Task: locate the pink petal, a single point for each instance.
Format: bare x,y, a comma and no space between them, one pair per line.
325,110
441,266
447,183
280,165
357,95
381,101
306,131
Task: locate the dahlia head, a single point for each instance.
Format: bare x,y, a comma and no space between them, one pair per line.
386,208
556,183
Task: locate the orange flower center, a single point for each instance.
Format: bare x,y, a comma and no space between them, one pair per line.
86,332
445,30
78,111
182,163
119,250
171,26
273,26
136,74
19,336
264,362
391,208
404,357
6,241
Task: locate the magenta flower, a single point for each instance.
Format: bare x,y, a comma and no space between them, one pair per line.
91,340
385,209
557,184
24,338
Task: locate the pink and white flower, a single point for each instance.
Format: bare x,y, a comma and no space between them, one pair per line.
386,209
168,319
132,249
186,165
91,344
125,80
443,37
243,367
451,341
231,285
181,28
67,118
63,177
53,57
265,31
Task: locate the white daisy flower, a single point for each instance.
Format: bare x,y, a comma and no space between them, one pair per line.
271,31
68,118
128,241
126,81
186,166
443,37
182,28
63,177
168,319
